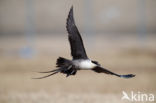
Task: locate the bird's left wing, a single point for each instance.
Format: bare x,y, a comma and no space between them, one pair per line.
75,40
99,69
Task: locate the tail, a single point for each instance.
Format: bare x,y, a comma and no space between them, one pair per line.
66,66
62,62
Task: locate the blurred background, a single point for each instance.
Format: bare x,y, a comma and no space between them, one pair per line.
120,34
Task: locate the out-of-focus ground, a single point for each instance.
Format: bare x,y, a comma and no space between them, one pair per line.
126,54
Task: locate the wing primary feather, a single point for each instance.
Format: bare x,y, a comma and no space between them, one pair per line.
103,70
74,37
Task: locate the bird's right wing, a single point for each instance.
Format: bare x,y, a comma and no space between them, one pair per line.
99,69
75,40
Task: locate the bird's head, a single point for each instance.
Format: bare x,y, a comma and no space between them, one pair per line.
95,62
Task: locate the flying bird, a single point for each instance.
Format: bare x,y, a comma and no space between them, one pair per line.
80,59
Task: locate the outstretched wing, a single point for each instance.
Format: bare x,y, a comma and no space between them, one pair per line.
74,37
99,69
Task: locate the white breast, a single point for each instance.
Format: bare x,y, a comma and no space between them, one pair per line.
84,64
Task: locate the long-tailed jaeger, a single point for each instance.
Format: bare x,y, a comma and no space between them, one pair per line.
80,59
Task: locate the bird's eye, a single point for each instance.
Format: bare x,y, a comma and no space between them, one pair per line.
95,62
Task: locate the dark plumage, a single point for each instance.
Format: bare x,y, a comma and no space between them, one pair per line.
99,69
80,59
76,43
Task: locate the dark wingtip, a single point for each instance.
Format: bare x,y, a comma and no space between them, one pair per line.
70,20
71,11
127,76
71,7
70,15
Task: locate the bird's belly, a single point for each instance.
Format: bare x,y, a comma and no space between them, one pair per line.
85,64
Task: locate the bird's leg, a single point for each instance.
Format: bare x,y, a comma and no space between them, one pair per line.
69,67
67,75
73,72
69,71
